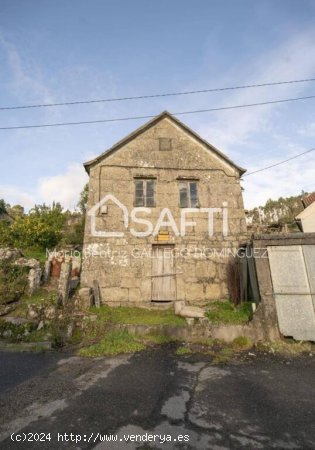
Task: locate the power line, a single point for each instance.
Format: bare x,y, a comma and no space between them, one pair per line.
169,94
280,162
152,116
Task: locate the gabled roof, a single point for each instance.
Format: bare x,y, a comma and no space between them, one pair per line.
151,123
310,210
308,200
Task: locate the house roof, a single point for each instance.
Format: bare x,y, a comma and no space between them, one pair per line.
149,124
310,210
308,200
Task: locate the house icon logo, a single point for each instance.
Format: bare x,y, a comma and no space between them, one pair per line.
97,207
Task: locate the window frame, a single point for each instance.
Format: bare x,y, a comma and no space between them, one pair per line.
191,203
145,197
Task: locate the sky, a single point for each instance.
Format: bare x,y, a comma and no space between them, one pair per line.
59,51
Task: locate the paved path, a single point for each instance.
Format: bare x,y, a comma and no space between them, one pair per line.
176,402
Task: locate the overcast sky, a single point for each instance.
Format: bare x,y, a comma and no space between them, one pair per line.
55,51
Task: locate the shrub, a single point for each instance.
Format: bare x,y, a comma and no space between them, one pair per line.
13,281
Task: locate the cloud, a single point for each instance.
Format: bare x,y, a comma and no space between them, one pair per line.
16,195
281,181
64,188
26,83
308,130
288,61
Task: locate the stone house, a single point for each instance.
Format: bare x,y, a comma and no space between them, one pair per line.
152,234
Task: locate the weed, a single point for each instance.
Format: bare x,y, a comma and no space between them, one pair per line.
223,356
183,350
287,347
242,342
158,338
139,316
40,296
36,253
113,343
223,312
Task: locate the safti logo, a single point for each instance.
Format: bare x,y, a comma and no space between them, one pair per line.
140,216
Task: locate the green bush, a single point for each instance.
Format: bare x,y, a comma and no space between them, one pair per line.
13,281
41,228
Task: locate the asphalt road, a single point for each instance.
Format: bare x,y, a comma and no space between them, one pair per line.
156,400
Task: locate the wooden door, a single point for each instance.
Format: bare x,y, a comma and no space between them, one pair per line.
163,273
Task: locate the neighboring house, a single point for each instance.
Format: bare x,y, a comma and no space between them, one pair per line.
162,164
306,219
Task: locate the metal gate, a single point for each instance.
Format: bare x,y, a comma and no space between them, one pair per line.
293,277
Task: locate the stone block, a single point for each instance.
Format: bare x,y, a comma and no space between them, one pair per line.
183,310
206,269
134,295
64,282
130,282
194,292
86,298
114,294
213,291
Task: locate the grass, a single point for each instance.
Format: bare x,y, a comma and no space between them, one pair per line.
224,312
37,253
37,335
219,351
158,339
138,316
223,356
113,343
287,347
242,343
38,296
183,350
41,295
97,341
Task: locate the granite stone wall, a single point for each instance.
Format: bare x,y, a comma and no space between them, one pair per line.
122,266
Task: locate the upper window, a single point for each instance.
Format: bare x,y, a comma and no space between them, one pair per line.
165,144
188,195
144,193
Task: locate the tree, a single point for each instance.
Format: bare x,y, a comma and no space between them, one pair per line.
83,199
3,208
41,228
15,211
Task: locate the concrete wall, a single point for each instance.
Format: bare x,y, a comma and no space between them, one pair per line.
123,276
266,314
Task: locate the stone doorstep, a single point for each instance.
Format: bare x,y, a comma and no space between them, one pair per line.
190,312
